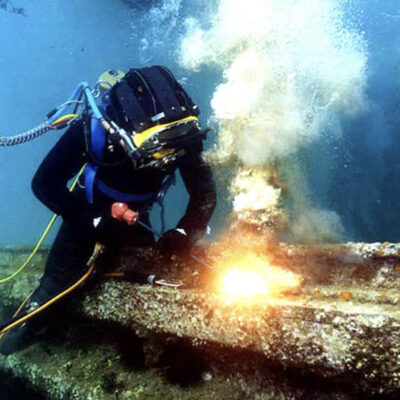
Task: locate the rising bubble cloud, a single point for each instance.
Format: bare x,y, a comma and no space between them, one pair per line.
290,69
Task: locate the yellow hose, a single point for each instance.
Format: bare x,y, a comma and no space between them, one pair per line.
20,308
98,248
66,118
43,237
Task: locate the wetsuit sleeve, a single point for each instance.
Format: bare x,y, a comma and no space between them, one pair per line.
199,181
60,165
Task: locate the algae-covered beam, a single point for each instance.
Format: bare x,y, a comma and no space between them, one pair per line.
330,340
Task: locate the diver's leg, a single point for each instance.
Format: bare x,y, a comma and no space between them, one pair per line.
67,259
66,263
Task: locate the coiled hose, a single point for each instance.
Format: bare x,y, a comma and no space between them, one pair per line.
57,118
31,134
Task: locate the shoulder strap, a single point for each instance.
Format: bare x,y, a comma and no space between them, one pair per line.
97,143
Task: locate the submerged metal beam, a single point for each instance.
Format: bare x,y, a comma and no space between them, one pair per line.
329,338
342,325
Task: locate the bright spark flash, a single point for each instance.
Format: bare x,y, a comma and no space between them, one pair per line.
242,283
253,277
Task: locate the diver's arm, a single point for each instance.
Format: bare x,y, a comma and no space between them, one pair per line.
199,181
59,166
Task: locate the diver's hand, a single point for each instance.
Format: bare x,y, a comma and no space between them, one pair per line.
175,241
122,212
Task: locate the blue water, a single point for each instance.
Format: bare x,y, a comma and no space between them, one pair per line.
55,44
358,175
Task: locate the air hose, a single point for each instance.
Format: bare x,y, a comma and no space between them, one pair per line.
58,118
26,136
39,130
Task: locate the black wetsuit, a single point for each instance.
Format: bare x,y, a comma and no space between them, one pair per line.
76,238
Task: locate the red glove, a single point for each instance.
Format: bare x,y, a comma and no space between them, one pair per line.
122,212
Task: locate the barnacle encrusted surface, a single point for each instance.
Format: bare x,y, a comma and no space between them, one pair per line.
330,338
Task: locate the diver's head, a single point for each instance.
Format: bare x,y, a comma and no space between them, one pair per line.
158,116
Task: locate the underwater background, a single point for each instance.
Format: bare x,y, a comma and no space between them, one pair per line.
333,127
348,164
349,168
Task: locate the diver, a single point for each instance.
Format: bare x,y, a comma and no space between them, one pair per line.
150,129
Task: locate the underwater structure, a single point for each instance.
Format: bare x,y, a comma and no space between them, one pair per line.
332,332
